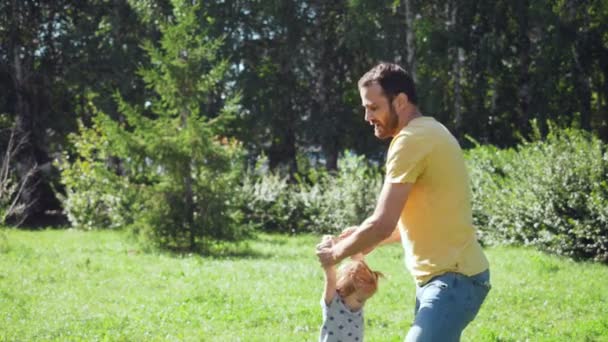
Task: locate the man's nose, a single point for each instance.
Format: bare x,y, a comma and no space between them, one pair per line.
368,115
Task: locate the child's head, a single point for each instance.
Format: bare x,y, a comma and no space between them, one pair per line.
356,278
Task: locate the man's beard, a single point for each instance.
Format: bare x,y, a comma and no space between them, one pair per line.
390,129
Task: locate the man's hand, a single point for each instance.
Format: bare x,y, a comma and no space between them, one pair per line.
324,251
347,232
326,241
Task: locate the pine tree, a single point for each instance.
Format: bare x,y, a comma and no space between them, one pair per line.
181,169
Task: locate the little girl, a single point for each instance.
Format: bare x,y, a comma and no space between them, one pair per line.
344,296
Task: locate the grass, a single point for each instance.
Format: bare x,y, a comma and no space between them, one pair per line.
66,285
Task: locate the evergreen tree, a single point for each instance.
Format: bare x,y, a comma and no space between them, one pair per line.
179,170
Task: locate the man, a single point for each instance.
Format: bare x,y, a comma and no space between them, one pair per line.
425,203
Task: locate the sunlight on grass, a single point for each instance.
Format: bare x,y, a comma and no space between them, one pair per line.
70,285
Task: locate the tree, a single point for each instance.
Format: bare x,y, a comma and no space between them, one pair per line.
29,64
51,55
172,155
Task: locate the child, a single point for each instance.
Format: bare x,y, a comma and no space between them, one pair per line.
344,297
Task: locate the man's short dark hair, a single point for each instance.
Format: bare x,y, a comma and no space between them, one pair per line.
392,78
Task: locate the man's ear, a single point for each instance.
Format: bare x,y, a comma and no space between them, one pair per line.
400,101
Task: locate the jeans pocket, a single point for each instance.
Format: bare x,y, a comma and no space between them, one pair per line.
435,287
480,289
482,280
484,284
441,282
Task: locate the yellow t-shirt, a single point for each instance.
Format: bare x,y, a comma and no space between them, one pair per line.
436,223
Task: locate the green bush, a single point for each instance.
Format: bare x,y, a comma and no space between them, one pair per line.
95,195
317,201
550,193
268,203
344,198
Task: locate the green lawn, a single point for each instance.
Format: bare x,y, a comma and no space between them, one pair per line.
67,285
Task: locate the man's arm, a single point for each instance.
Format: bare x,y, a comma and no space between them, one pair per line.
395,237
375,229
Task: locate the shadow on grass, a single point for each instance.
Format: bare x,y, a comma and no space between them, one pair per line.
242,249
4,246
275,240
220,250
256,246
51,219
239,251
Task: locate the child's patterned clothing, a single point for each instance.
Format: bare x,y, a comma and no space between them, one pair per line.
341,323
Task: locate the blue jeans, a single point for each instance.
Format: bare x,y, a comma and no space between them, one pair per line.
446,304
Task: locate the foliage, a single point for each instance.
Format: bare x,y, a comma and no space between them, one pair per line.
550,193
9,187
175,173
318,201
95,195
13,204
482,68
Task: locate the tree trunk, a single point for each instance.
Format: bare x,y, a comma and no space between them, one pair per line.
189,206
523,93
283,147
604,99
328,68
331,157
410,39
457,54
188,194
583,89
457,70
24,123
283,144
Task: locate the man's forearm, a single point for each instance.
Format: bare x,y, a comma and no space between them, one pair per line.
395,237
370,233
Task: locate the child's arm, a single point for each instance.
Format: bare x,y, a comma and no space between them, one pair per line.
330,284
330,272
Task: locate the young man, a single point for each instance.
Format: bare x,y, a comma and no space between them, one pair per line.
425,203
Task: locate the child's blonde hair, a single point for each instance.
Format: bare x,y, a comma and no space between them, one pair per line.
356,275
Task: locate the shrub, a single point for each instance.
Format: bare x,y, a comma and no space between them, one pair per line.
344,198
270,203
318,201
550,193
95,195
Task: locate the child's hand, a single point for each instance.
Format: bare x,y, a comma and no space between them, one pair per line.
357,257
324,249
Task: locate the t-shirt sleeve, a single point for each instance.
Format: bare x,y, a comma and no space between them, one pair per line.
326,306
326,309
405,161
